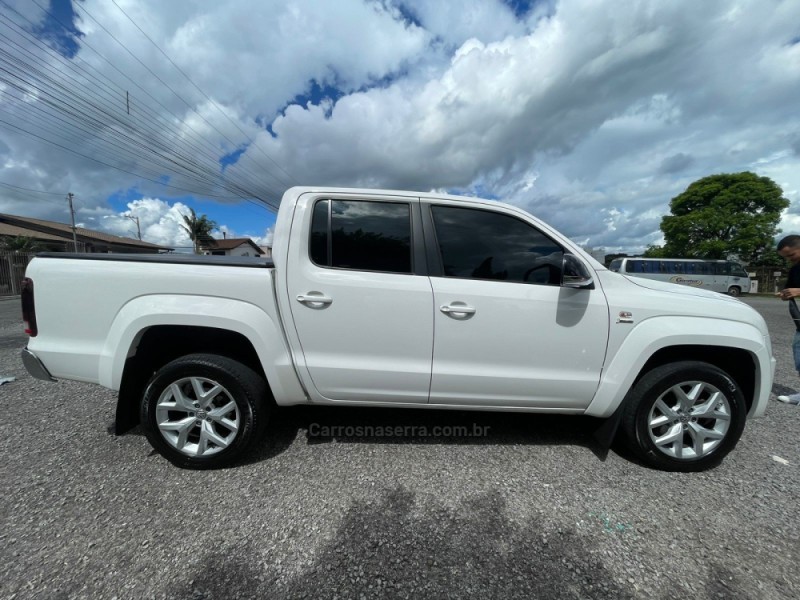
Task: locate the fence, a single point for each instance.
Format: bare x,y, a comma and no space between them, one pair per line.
12,270
768,282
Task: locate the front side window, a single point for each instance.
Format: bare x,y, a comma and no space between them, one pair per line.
478,244
361,235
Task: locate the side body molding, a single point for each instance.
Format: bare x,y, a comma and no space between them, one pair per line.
654,334
241,317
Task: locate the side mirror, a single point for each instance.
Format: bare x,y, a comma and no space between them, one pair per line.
575,274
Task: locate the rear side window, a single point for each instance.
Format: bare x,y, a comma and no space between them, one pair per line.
479,244
361,235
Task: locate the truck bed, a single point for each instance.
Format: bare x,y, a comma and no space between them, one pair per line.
176,259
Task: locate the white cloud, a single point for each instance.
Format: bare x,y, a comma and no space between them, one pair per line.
159,221
593,115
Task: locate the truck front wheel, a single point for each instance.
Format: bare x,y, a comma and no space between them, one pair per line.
684,416
203,411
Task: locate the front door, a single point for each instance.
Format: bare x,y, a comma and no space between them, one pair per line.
507,333
363,317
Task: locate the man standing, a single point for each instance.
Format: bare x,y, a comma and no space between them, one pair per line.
789,248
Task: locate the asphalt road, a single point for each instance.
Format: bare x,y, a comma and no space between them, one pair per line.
531,510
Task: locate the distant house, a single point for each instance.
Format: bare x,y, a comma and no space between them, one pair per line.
234,247
57,237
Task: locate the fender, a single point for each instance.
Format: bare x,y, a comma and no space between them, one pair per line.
657,333
241,317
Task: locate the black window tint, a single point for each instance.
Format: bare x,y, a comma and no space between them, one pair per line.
371,236
479,244
675,267
319,234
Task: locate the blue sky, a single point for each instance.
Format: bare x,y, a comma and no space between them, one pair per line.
592,115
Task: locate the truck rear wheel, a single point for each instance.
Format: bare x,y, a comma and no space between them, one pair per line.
684,416
203,411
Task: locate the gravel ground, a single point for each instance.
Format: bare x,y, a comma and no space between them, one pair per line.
529,511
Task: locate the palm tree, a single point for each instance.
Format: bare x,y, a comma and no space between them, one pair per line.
199,230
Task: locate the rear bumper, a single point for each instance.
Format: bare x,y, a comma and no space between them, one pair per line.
34,366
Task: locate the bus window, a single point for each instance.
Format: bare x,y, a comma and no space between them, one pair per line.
703,268
674,267
635,266
737,270
615,265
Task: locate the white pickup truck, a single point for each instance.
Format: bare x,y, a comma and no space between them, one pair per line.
398,299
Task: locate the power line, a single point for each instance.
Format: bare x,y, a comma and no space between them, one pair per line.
176,94
201,91
91,115
216,164
24,189
105,164
28,69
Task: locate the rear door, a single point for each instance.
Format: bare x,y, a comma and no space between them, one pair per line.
360,298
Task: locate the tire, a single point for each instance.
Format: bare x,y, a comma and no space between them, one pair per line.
203,411
684,416
735,292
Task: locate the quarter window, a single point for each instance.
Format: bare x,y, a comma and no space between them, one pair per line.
478,244
361,235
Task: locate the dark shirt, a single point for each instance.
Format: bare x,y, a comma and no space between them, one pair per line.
793,281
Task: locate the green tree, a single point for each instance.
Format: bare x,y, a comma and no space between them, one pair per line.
19,243
199,230
723,215
657,252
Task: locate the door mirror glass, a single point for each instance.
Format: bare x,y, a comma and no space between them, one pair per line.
576,274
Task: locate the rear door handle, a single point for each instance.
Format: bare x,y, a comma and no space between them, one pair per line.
314,299
457,309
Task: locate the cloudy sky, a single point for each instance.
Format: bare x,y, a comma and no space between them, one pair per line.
590,114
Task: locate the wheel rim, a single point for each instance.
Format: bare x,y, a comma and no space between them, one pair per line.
197,416
689,420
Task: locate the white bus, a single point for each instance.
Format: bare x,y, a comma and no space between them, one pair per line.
715,275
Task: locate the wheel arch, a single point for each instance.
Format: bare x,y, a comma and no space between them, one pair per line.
739,364
736,348
150,331
158,345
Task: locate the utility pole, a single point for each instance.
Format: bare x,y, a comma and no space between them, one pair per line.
138,228
70,196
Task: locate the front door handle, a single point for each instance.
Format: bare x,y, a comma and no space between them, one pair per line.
314,300
457,309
